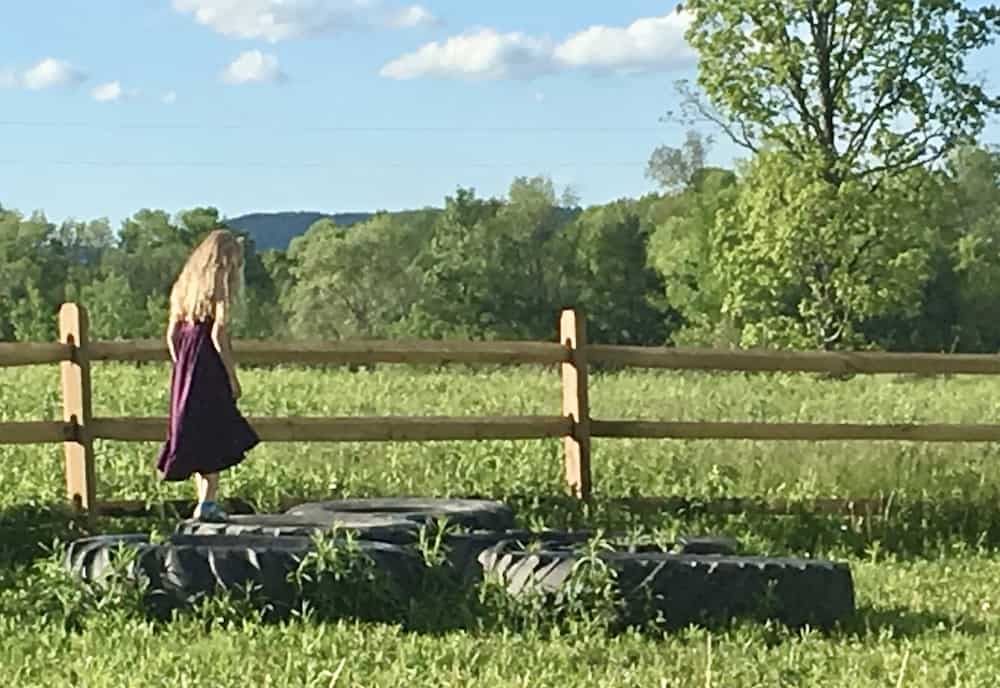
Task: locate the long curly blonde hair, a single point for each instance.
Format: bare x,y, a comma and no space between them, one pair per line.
213,275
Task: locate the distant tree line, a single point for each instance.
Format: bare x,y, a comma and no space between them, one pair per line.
750,258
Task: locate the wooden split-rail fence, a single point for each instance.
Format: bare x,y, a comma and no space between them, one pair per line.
75,353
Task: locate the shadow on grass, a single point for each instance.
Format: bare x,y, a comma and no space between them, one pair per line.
905,529
915,528
899,622
26,530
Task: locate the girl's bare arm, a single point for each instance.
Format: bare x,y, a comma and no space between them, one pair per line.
171,328
223,344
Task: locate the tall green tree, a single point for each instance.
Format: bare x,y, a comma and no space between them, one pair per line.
618,290
150,253
857,87
354,282
686,251
960,300
448,299
673,168
116,311
495,268
808,262
973,229
31,287
844,104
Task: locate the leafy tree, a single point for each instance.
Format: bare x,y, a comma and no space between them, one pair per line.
78,250
616,288
279,269
260,311
116,312
355,282
448,303
674,168
853,86
974,185
32,318
29,290
150,253
845,105
686,251
807,262
280,266
495,268
959,301
44,265
196,223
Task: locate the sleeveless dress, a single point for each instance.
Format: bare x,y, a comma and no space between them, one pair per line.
206,431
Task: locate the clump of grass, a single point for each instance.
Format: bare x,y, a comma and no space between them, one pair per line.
588,602
50,595
337,579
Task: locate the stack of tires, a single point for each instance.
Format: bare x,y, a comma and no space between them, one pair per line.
703,579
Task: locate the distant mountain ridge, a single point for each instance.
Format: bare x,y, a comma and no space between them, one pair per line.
276,230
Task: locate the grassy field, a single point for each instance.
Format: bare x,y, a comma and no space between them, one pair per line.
926,572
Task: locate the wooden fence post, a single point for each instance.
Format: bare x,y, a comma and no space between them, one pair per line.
77,410
576,403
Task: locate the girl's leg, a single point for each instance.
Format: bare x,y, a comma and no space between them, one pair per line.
199,486
208,489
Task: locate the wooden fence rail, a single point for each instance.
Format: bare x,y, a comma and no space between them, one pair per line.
77,431
832,362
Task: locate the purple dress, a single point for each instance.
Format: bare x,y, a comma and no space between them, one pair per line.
206,433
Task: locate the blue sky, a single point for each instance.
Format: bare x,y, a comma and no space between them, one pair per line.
110,106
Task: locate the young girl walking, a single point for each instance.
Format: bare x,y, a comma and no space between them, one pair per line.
206,433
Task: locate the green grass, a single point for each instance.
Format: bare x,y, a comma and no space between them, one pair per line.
925,574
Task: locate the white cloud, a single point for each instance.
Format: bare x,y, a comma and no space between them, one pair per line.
647,44
169,98
50,73
413,16
482,54
279,20
107,93
253,66
112,92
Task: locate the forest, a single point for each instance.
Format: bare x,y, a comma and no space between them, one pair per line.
913,264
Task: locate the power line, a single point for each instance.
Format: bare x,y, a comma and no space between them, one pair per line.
333,165
328,129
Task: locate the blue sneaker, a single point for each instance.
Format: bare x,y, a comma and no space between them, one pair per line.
209,512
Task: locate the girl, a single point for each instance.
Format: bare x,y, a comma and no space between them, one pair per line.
206,433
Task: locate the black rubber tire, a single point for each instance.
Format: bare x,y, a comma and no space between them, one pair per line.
474,514
462,549
378,527
92,558
689,588
465,549
185,567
